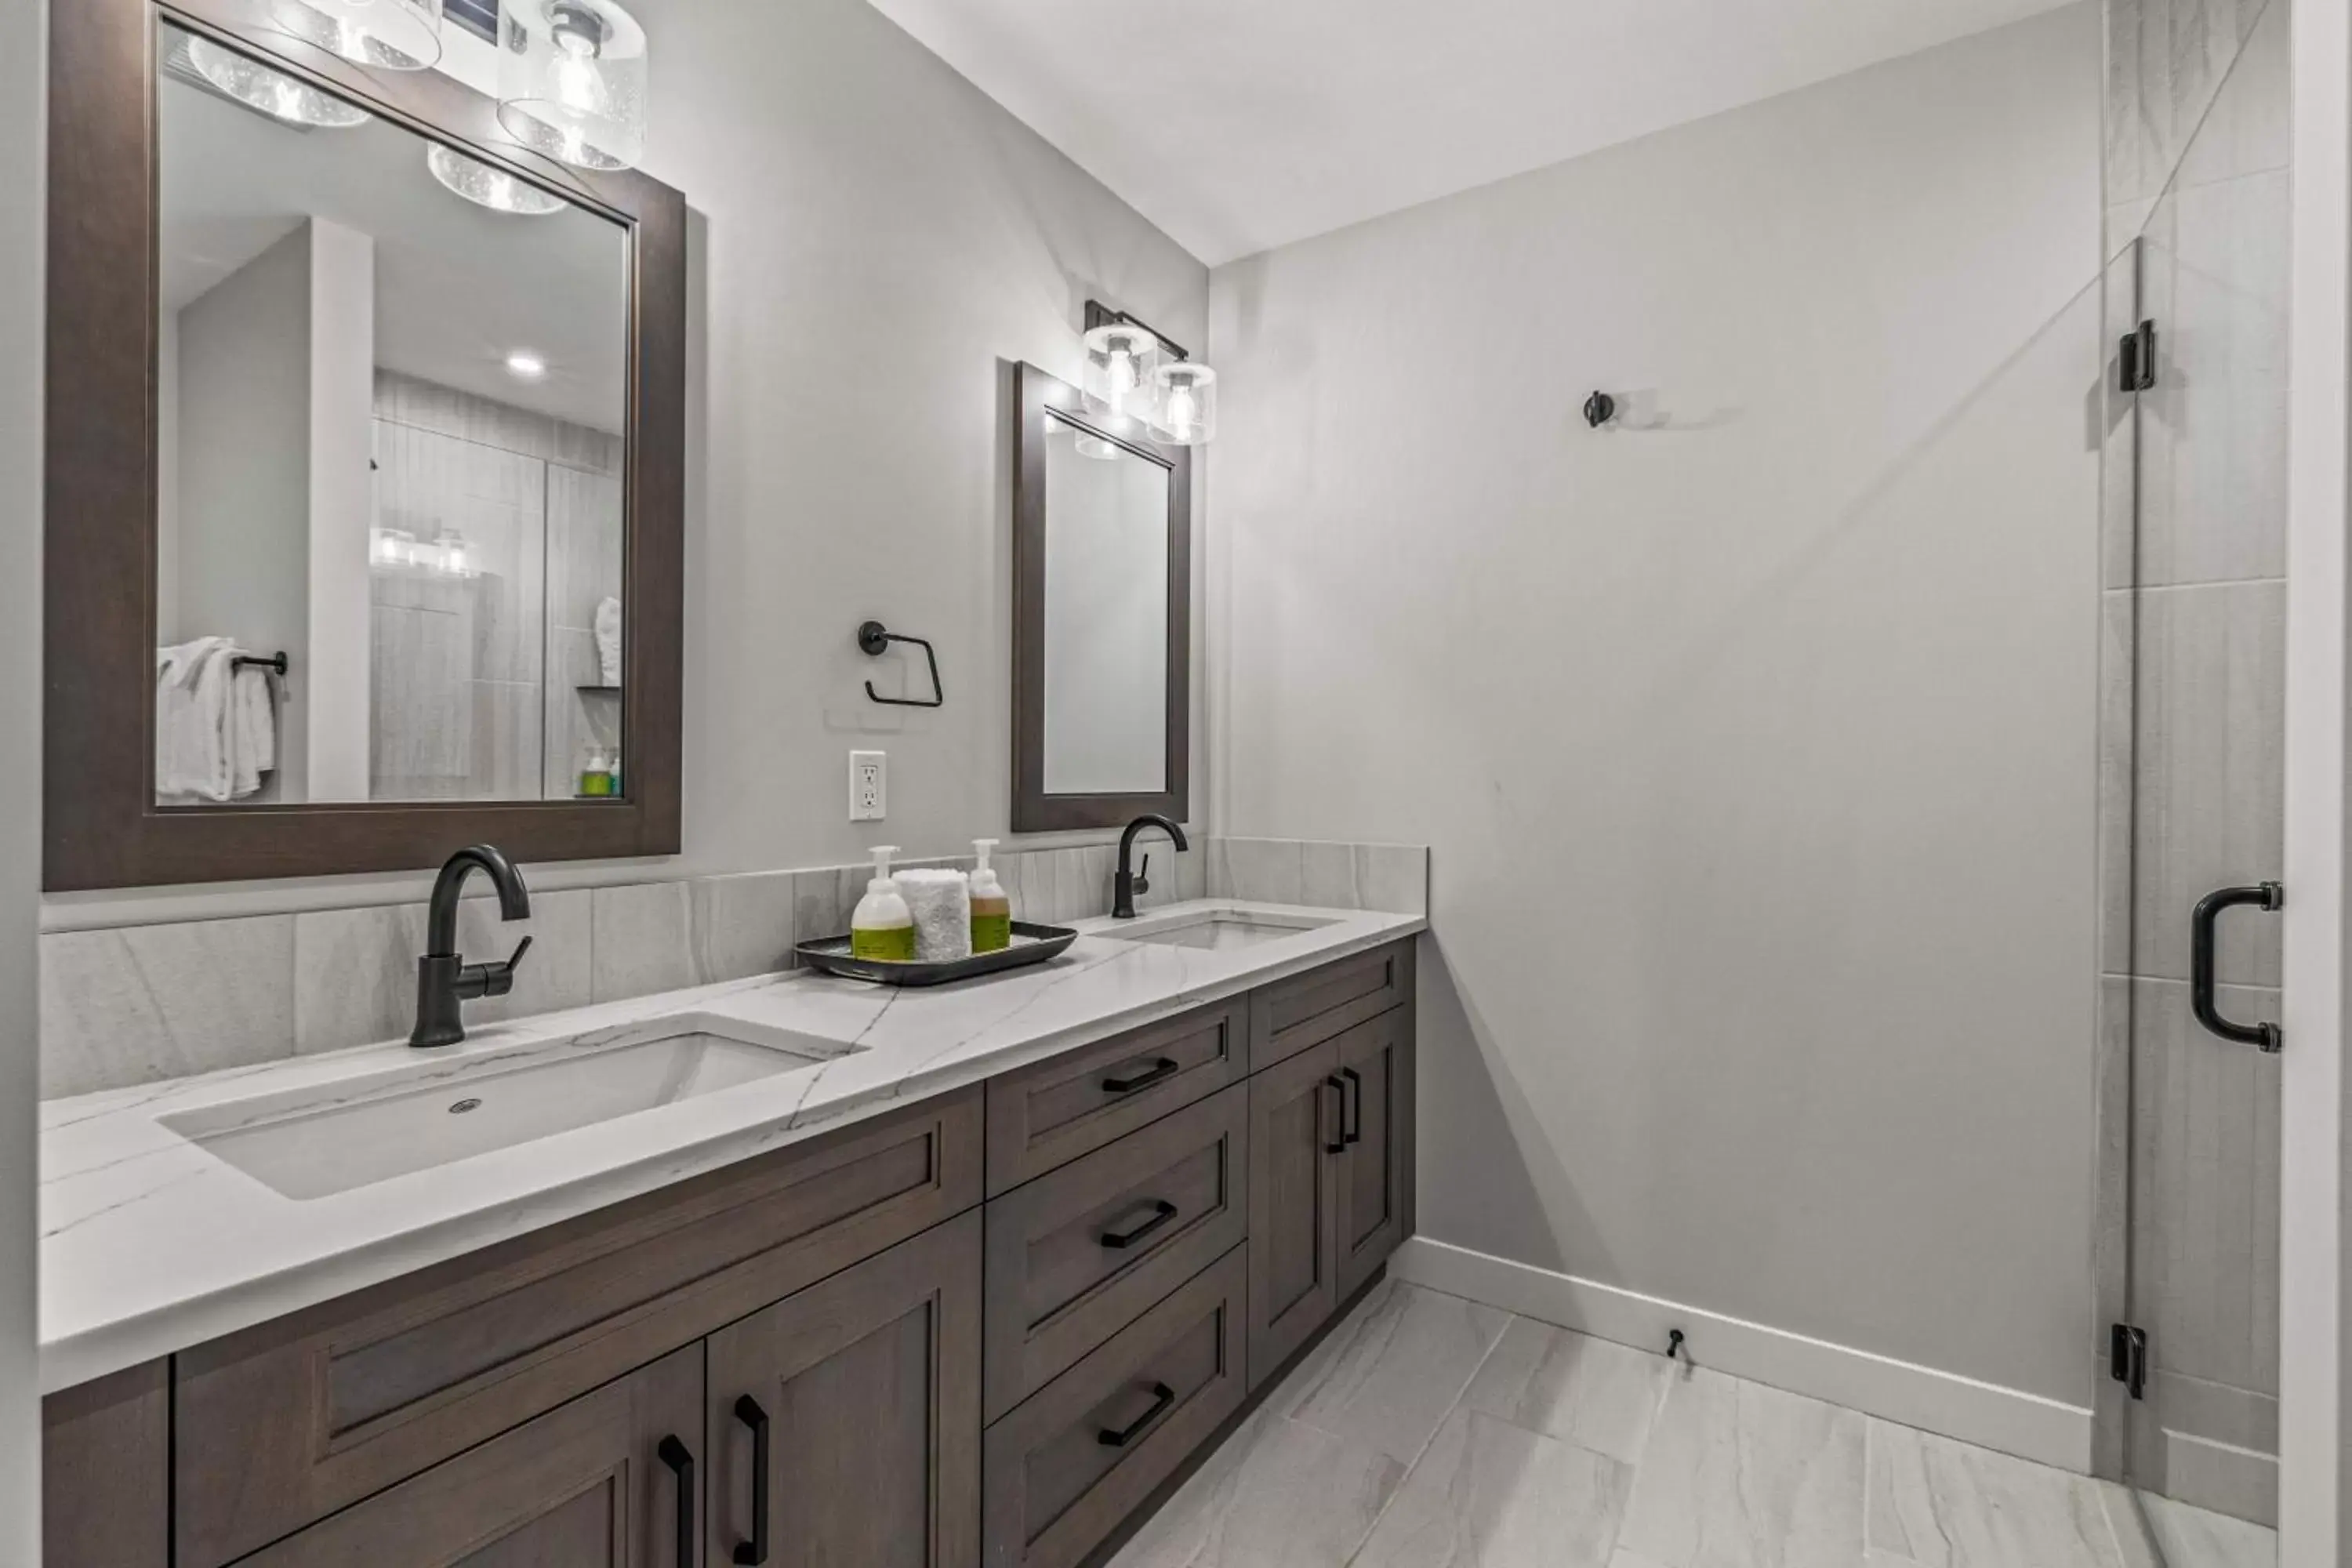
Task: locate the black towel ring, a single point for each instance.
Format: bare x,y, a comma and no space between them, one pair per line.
873,638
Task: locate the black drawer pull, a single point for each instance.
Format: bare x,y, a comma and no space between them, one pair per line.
680,1460
1340,1138
1352,1132
1163,1398
752,1553
1164,1067
1162,1211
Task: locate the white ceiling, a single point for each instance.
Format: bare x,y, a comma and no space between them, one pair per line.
1237,125
458,285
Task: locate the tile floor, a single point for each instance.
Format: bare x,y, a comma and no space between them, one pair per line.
1432,1431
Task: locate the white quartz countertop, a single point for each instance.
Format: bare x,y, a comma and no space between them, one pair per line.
151,1244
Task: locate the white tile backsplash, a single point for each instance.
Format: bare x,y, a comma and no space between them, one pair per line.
143,1003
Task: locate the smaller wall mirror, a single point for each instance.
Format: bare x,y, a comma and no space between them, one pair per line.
1102,639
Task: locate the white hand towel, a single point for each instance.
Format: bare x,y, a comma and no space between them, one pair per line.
608,640
940,902
253,729
192,713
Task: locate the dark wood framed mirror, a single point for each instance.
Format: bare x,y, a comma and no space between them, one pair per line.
479,580
1102,616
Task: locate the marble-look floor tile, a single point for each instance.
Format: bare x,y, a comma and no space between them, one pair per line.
1487,1494
2193,1538
1946,1504
1278,1494
1589,1392
145,1003
1737,1474
1388,1375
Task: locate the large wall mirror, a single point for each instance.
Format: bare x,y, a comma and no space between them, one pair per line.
1102,638
383,415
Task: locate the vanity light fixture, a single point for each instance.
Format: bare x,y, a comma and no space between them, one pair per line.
485,185
525,365
390,35
275,93
1178,402
571,80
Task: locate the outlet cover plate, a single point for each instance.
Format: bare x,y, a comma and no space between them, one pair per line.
869,786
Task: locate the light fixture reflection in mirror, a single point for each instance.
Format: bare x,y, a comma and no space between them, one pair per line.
271,91
571,80
484,185
390,35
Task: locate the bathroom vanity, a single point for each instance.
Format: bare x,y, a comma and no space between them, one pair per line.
973,1277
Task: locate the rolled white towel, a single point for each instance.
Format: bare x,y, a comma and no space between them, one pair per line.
940,902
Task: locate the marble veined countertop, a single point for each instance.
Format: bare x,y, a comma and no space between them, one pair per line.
151,1244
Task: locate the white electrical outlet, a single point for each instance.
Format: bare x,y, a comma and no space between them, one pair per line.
869,786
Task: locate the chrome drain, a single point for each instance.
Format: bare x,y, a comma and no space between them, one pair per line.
464,1106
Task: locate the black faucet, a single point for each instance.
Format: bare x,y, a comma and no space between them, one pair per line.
1127,884
443,979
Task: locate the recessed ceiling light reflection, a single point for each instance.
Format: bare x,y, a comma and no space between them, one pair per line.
525,365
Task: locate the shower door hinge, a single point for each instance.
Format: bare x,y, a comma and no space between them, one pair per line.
2135,359
2127,1358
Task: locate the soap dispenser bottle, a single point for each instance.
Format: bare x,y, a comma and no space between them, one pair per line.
882,928
992,911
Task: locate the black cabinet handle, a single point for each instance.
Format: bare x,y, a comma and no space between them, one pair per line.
1352,1132
752,1553
1339,1139
680,1460
1162,1211
1165,1066
1162,1396
2268,896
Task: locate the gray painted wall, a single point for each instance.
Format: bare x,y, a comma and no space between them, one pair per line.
23,68
1753,736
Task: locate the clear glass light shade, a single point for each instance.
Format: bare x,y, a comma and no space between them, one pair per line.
391,35
488,186
1121,361
271,91
1187,415
571,81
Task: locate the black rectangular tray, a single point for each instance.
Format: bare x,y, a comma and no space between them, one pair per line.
1031,944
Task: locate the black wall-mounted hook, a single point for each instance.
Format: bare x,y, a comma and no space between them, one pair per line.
1598,409
874,637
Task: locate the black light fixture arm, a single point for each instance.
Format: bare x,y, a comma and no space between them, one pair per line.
873,638
1101,315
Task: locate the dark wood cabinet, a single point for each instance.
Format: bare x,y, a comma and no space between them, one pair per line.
584,1486
1294,1281
995,1323
106,1472
1374,1211
862,1395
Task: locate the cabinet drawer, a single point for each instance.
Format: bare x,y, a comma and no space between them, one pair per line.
285,1423
1055,1483
1308,1009
585,1486
1076,1256
1048,1115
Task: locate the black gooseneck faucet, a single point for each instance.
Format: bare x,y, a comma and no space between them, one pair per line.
443,979
1128,883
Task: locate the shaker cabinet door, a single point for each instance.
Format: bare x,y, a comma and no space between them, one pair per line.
590,1484
1295,1126
845,1420
1375,1177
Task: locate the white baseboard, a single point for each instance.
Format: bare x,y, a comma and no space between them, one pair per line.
2026,1425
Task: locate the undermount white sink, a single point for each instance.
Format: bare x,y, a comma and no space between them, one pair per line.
436,1113
1215,930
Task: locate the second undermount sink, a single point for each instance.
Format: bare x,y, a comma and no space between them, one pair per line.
305,1145
1215,930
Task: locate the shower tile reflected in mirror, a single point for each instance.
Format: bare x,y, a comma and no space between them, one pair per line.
1105,616
388,423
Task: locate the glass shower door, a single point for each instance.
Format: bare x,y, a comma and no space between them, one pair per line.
2195,610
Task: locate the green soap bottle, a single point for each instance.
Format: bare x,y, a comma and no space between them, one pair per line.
882,928
992,911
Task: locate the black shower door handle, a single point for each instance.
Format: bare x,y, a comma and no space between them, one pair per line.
2266,896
